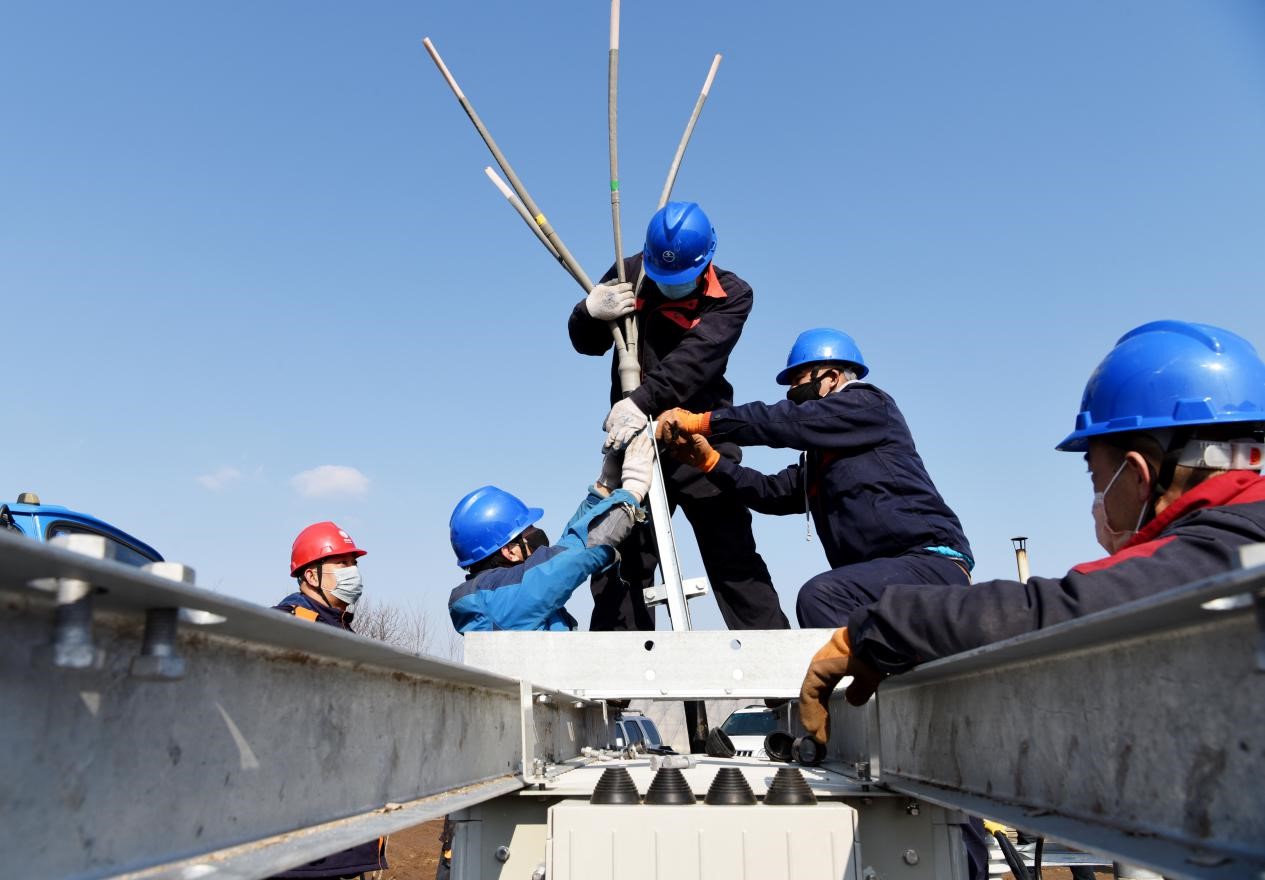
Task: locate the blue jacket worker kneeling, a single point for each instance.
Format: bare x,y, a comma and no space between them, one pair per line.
519,581
877,513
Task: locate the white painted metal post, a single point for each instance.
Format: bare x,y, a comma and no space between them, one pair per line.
669,564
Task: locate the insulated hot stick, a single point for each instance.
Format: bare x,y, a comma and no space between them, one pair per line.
676,160
518,206
564,255
612,93
689,132
629,360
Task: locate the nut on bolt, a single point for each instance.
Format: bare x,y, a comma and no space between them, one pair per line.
911,857
502,854
72,646
158,660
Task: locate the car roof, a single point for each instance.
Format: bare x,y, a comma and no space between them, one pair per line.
58,512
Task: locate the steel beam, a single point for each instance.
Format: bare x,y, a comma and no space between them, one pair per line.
1138,732
653,665
277,729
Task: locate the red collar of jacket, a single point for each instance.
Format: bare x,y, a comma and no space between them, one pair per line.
712,286
1233,487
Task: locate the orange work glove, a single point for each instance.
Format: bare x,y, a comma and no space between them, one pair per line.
676,422
827,668
693,449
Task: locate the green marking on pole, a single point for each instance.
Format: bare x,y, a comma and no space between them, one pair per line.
614,186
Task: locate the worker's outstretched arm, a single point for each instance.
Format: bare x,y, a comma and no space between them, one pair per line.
859,417
913,625
777,494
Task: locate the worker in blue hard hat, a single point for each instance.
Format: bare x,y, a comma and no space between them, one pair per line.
689,315
516,579
1172,428
859,477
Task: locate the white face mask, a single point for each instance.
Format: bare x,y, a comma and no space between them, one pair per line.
350,585
1111,539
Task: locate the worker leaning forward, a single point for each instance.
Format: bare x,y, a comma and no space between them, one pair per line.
323,559
689,315
519,581
876,511
1172,424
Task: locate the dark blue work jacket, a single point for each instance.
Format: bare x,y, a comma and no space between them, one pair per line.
860,476
1196,536
370,856
303,606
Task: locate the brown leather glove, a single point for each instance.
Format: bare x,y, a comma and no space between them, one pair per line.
827,668
693,449
676,422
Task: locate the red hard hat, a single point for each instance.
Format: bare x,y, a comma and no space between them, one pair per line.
318,541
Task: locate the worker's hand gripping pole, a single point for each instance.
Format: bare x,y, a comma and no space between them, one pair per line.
680,149
669,563
564,256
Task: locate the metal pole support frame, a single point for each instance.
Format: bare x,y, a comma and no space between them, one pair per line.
665,540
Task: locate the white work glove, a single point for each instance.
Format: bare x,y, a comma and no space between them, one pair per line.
638,461
612,462
606,302
623,423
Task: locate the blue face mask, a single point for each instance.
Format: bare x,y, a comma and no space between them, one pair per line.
350,586
678,291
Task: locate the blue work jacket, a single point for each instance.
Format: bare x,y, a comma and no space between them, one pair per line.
531,595
860,476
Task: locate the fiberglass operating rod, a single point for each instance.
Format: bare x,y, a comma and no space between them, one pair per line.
680,152
564,255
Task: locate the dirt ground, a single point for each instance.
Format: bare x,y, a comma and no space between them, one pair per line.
413,853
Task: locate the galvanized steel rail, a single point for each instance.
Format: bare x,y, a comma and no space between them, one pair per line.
1138,732
282,741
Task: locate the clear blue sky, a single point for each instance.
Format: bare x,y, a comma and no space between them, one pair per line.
242,241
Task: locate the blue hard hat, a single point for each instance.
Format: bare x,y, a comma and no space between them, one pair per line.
822,344
680,242
1171,374
485,521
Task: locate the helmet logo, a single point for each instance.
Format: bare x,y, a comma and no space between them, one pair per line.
669,256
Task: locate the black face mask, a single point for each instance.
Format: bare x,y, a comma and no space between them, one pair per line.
806,391
534,538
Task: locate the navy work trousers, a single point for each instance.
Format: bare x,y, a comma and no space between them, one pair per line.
827,599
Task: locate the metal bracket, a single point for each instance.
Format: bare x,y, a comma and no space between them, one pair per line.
692,588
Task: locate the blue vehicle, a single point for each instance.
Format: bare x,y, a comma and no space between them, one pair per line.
43,522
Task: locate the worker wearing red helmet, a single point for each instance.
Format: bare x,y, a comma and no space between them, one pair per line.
323,561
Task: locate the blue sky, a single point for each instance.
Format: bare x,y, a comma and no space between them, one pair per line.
242,242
